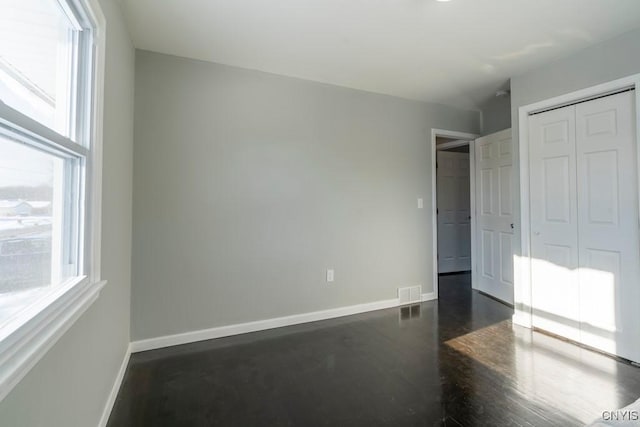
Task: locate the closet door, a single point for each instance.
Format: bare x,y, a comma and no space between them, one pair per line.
554,223
608,224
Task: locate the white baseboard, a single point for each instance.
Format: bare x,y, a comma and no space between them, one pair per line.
240,328
428,297
521,319
260,325
111,400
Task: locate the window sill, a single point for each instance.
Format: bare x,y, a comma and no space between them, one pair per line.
27,338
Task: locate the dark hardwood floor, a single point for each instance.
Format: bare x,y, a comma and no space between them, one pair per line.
456,361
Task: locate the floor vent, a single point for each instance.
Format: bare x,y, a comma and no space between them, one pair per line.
409,295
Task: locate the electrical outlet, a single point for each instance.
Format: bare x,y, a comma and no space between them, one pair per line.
330,275
420,203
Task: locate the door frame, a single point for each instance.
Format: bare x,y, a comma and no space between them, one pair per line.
462,138
522,264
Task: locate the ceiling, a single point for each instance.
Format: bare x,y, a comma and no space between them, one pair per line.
458,52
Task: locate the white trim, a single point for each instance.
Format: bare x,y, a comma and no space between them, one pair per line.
522,268
25,346
472,210
452,144
97,135
430,296
469,137
27,128
260,325
111,400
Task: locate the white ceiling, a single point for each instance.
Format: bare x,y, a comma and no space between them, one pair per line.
458,52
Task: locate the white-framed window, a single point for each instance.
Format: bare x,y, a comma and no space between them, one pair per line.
51,87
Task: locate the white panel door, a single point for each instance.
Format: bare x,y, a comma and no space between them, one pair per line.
494,215
454,227
608,225
584,224
554,222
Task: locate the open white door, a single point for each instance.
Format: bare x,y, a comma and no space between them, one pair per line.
454,227
494,215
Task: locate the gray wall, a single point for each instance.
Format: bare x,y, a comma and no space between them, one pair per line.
70,385
610,60
248,185
496,115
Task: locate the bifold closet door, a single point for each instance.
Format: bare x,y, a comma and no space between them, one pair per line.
554,222
584,223
608,224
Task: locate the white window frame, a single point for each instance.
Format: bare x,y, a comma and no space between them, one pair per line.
28,336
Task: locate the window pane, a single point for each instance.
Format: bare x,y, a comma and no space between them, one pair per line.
36,45
32,212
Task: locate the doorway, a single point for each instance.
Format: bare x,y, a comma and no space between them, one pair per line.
453,206
453,203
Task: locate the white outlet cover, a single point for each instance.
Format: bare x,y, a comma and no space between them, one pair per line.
420,203
330,275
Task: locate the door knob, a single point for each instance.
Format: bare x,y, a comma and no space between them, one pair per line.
536,233
512,226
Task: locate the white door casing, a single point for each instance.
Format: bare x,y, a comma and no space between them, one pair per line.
453,203
584,223
494,215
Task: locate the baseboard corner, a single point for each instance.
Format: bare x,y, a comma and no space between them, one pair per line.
521,319
111,400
